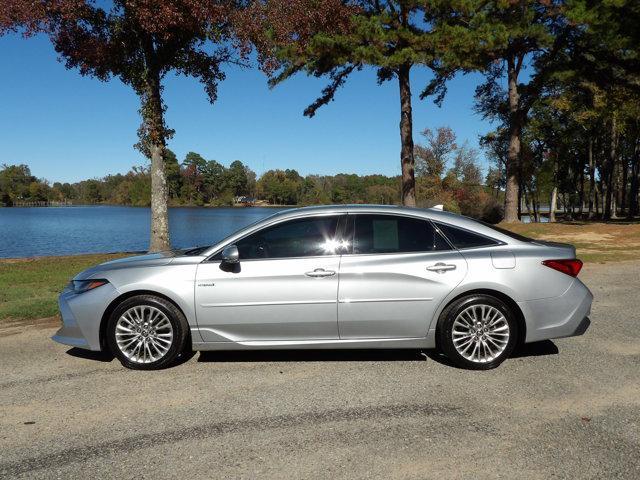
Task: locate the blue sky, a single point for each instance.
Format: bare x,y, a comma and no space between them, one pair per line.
67,127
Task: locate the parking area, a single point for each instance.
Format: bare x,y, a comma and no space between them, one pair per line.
566,408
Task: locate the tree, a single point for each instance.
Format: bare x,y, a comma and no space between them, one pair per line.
193,167
606,55
281,187
172,171
236,178
334,38
431,158
214,180
15,183
500,38
140,42
91,192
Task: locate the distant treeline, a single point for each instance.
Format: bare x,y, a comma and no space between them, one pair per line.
446,174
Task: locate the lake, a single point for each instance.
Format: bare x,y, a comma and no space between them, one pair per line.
40,231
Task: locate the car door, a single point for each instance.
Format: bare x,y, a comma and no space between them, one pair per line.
392,281
284,287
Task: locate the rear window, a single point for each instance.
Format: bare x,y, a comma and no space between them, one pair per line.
461,238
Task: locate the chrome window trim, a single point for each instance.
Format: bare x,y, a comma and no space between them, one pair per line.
274,259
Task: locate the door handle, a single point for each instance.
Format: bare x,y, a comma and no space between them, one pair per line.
441,267
320,272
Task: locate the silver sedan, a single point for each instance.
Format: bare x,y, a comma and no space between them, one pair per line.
334,277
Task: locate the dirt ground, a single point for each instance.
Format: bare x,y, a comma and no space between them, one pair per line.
566,408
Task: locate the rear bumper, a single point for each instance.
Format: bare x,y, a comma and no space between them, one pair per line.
582,327
81,316
563,316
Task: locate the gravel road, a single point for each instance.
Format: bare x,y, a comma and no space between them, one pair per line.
568,408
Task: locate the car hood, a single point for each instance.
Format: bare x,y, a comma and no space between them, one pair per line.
147,260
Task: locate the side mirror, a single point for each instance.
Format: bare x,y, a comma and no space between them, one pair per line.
230,254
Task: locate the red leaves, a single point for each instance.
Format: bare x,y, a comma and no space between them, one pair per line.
31,16
21,14
168,18
274,25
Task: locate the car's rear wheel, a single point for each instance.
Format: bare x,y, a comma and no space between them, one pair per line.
477,332
147,332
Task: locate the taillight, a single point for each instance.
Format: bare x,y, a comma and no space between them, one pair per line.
570,266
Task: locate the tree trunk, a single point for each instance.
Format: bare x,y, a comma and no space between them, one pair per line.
527,201
554,191
592,179
553,204
159,191
623,189
406,138
520,189
513,155
614,205
602,191
610,207
581,194
635,180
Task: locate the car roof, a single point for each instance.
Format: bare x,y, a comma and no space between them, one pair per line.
432,213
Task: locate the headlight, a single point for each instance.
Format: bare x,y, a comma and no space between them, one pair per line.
80,286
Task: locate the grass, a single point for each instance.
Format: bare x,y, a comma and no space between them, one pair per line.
29,287
594,242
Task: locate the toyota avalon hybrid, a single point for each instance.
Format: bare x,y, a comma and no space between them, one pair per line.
334,277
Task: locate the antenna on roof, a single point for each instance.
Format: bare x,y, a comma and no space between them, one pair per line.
438,207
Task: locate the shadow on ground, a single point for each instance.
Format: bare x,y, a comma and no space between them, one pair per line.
107,357
546,347
90,355
313,356
537,349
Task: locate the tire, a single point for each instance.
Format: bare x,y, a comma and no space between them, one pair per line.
488,346
146,332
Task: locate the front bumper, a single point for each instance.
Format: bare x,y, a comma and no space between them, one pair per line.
81,316
563,316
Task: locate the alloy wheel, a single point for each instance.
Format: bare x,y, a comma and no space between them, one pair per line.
144,334
480,333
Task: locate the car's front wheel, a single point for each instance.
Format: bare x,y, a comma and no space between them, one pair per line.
147,332
477,332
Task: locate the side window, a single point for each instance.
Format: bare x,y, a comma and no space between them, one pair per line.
296,238
460,238
395,234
